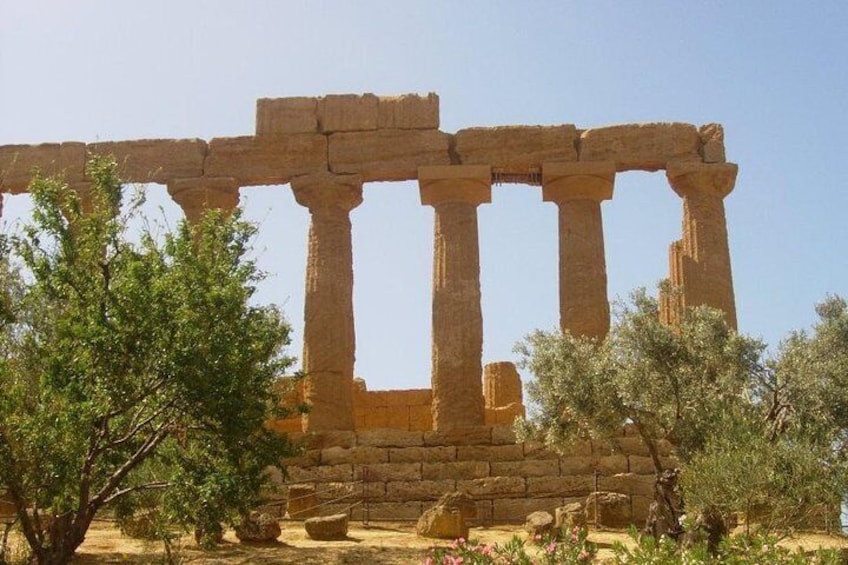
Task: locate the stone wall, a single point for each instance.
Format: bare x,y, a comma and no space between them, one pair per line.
395,475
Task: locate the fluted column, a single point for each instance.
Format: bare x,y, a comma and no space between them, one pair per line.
578,190
196,195
455,192
328,334
702,259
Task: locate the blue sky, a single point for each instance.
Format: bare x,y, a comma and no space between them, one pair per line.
773,73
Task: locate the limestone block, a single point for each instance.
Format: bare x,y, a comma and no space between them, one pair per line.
390,438
641,465
442,523
377,417
266,160
455,470
419,454
478,435
493,487
327,527
612,464
418,490
484,512
490,453
360,455
410,397
347,112
609,509
258,528
307,458
646,147
387,155
712,143
639,508
560,486
409,111
397,417
504,415
577,465
329,438
17,163
528,468
395,471
280,116
394,511
517,509
539,523
501,384
503,434
571,515
323,473
301,502
287,425
516,150
631,446
537,450
154,160
420,418
629,483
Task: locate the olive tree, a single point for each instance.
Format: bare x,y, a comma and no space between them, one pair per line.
130,365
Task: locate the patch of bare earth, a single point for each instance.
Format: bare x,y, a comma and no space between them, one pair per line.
380,543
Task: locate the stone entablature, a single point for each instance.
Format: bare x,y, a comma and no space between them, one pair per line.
326,147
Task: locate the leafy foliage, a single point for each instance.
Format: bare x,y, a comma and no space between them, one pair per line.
569,548
130,368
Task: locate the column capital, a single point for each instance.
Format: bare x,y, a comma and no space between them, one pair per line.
690,178
442,184
328,191
194,195
590,180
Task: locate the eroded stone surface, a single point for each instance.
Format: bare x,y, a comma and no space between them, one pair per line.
516,150
327,528
18,162
646,147
387,155
154,160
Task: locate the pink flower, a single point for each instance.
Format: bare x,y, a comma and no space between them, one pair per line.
551,547
537,537
584,556
429,561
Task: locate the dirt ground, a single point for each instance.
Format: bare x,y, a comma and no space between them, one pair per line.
380,543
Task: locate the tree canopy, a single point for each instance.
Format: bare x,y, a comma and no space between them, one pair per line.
128,367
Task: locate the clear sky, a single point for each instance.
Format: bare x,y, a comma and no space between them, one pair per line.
774,73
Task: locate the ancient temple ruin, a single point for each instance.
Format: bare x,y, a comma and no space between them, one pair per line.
325,148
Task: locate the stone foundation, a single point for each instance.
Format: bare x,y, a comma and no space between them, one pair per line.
395,475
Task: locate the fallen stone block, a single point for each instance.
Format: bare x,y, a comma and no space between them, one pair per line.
327,528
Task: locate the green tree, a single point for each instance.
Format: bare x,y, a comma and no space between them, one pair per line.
130,368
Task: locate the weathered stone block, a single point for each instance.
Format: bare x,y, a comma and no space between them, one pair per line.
420,418
364,455
394,511
395,472
646,147
266,160
321,474
629,483
516,149
387,155
478,435
609,509
418,490
325,439
612,464
390,438
493,487
581,465
712,143
527,468
377,417
455,470
490,453
17,163
307,458
537,450
327,527
639,508
641,465
631,446
517,509
502,434
420,454
539,523
154,160
409,111
560,486
280,116
301,502
347,112
398,417
350,491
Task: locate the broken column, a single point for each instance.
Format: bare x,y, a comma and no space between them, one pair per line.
501,384
578,190
328,334
196,195
700,263
455,192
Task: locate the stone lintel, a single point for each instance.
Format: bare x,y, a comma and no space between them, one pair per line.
578,181
328,190
689,178
442,184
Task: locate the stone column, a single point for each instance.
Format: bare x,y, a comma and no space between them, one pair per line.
196,195
578,189
702,259
455,192
328,335
501,384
